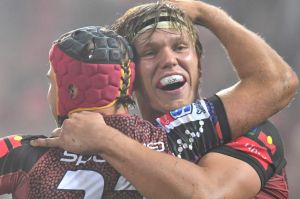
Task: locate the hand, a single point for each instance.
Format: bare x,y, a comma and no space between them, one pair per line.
84,132
188,6
199,12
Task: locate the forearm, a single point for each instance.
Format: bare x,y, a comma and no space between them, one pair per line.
161,176
267,84
154,174
250,55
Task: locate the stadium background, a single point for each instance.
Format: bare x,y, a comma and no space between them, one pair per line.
27,29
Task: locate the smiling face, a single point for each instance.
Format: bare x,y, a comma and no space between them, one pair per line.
167,71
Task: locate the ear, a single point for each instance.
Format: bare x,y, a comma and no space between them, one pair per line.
72,91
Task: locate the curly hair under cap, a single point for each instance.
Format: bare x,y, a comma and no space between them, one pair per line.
135,19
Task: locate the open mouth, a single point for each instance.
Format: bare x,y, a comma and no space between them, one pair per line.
171,82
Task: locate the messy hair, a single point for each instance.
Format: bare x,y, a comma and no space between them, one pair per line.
135,18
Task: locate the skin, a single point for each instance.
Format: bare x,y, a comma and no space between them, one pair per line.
165,53
212,176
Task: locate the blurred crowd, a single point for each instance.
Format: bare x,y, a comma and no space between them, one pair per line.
29,27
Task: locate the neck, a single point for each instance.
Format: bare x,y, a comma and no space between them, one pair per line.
148,113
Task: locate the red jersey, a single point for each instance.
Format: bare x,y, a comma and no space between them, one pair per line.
189,133
34,172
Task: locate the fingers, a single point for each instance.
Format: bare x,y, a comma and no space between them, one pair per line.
53,141
45,142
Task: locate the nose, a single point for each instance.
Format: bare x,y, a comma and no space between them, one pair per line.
168,58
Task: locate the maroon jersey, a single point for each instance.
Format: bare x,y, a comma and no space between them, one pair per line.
198,128
190,133
29,172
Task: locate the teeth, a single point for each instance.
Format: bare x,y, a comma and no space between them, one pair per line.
171,80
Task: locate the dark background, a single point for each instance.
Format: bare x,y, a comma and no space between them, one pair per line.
27,29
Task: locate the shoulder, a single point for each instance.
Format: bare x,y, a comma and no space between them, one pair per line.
10,143
206,112
195,112
16,153
266,138
261,148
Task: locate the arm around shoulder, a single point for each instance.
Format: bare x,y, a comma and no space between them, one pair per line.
266,83
157,175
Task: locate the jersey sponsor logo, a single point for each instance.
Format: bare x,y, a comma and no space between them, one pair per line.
165,119
201,107
80,159
180,112
83,159
194,112
268,141
252,148
157,146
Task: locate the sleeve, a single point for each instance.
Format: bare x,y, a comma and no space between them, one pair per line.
8,181
202,127
262,148
7,147
195,129
16,158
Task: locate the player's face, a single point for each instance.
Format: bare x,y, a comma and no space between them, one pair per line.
167,70
52,92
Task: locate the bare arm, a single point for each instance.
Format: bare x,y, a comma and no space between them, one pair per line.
157,175
154,174
267,84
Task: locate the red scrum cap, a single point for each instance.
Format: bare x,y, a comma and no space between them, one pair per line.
93,69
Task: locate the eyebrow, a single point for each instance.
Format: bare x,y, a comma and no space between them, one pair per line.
152,43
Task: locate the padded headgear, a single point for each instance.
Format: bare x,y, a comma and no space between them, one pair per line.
92,67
